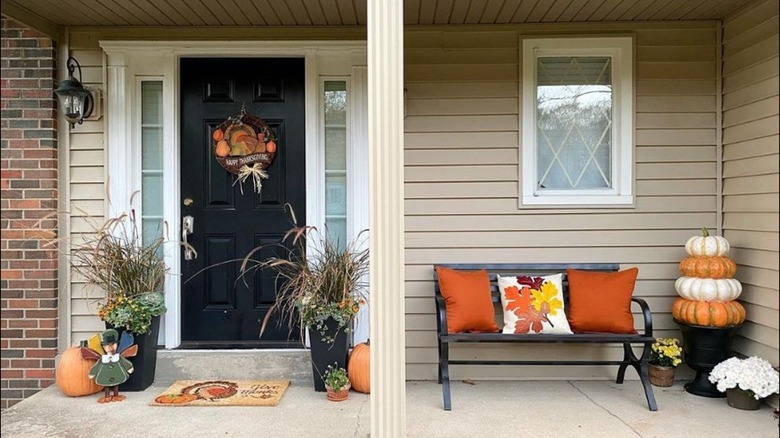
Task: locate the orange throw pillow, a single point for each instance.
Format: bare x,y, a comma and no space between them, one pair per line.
601,301
467,294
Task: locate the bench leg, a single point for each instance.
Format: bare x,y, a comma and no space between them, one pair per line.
641,366
438,342
444,374
651,404
627,355
642,369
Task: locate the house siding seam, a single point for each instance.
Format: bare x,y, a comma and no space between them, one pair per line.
751,180
28,162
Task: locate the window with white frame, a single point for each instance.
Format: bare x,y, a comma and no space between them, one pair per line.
577,130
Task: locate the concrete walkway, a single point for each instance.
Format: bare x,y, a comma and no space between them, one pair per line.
483,409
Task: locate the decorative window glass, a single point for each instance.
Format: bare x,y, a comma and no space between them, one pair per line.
577,130
335,140
151,160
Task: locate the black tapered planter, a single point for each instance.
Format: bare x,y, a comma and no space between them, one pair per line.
145,362
324,353
703,348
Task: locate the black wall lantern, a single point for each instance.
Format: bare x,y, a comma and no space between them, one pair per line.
77,102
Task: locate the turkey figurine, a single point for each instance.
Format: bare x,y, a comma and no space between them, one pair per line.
112,367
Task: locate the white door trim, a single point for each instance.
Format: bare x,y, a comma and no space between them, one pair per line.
127,60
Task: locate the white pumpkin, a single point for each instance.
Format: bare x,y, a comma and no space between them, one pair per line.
706,245
708,289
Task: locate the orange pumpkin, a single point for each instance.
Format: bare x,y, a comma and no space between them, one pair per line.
271,146
260,147
713,314
71,374
359,368
218,135
222,149
708,267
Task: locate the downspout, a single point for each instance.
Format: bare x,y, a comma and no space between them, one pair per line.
64,318
719,129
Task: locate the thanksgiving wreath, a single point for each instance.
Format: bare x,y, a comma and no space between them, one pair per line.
245,146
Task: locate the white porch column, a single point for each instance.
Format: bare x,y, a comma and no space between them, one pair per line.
386,148
117,115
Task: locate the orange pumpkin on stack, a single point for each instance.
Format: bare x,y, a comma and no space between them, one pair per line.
707,290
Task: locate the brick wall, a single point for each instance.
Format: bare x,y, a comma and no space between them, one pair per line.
28,193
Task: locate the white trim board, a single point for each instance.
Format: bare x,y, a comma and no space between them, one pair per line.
129,61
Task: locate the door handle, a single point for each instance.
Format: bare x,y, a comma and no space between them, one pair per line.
187,228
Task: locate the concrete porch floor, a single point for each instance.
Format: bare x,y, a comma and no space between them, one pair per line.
483,409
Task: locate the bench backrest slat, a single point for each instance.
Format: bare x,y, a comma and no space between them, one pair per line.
530,269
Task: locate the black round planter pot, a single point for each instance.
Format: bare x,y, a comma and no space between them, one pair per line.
145,362
324,353
703,348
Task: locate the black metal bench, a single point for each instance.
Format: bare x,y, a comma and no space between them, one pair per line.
444,338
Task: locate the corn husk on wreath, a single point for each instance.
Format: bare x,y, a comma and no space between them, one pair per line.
707,289
245,146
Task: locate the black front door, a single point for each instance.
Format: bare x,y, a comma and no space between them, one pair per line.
217,310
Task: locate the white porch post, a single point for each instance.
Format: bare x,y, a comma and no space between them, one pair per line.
117,115
386,148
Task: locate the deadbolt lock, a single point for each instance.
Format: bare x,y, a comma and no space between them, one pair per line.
187,201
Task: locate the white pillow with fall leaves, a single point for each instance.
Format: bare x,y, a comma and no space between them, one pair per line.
533,304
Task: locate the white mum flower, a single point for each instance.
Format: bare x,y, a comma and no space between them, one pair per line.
752,374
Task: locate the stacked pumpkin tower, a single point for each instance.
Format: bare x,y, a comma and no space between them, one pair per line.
707,288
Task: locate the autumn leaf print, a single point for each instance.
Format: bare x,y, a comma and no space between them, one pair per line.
532,320
548,294
520,302
517,301
544,310
532,282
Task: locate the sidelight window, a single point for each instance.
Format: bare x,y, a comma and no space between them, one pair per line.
335,140
151,160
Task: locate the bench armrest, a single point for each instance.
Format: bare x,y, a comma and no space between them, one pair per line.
441,315
648,317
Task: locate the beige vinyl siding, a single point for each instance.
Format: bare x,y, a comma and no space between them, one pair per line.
461,180
87,187
750,171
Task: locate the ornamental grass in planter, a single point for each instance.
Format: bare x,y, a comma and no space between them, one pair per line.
321,286
125,276
320,279
131,273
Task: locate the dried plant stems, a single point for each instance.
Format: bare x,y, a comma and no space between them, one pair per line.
114,258
317,277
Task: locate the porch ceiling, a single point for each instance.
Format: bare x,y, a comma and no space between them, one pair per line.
49,15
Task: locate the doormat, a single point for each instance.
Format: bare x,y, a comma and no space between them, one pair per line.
222,393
